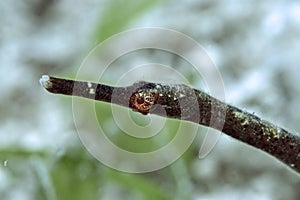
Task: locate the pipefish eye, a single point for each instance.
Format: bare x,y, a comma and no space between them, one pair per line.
142,101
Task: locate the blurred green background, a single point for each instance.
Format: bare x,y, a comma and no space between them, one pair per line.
254,44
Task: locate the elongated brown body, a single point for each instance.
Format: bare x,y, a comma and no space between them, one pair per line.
185,103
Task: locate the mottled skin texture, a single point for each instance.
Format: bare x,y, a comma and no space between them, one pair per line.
185,103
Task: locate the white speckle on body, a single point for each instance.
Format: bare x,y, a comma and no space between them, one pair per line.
158,87
89,84
278,130
245,122
276,136
181,95
92,91
292,165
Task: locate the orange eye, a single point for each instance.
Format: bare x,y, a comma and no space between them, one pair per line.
142,101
